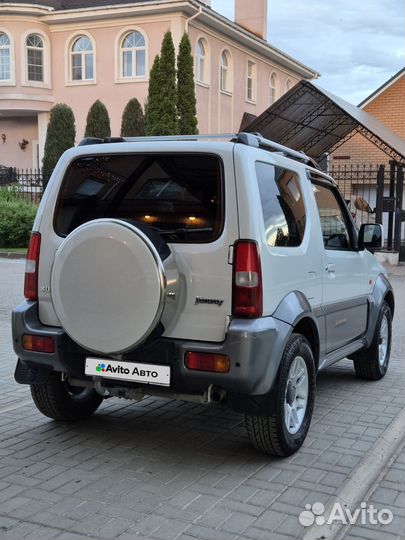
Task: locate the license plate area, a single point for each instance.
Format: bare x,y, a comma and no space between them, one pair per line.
128,371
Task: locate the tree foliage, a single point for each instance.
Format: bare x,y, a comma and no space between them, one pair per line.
98,121
161,108
168,94
60,136
186,100
133,122
152,106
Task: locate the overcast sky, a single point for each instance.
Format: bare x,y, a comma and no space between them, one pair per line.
356,45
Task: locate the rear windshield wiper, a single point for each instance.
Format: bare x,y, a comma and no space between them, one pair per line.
182,231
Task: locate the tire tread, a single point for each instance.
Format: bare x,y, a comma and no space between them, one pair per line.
264,431
52,401
366,362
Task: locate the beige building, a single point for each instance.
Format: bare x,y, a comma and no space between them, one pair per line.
75,52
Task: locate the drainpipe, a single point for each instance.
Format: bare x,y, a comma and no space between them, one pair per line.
191,18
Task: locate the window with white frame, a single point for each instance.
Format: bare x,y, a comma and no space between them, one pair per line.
5,57
82,59
133,55
251,81
201,61
35,58
288,85
225,75
272,88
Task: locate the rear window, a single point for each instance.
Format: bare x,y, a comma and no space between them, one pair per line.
179,196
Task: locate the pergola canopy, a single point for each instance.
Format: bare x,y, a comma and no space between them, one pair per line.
312,120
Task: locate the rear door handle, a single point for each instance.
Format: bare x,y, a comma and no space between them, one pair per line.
330,268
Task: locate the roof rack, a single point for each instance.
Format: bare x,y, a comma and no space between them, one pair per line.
257,141
250,139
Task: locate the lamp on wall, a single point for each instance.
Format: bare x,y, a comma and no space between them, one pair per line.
23,144
3,137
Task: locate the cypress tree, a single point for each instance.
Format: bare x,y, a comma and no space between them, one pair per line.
60,136
98,121
161,106
133,123
152,106
186,100
168,93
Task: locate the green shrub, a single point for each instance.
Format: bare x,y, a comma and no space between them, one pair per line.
9,193
98,121
16,219
60,136
133,122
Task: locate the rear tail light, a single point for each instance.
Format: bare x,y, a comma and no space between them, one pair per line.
31,267
247,294
217,363
38,343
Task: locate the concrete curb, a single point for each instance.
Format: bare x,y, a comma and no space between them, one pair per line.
364,477
11,255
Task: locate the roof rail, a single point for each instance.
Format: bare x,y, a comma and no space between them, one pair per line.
96,140
257,141
250,139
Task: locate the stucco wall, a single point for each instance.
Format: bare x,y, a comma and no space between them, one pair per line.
217,111
15,129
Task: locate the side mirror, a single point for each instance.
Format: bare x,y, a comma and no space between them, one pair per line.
371,237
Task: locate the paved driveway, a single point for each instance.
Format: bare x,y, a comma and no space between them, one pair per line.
159,469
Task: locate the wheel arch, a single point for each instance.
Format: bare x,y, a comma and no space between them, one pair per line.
296,310
308,328
382,291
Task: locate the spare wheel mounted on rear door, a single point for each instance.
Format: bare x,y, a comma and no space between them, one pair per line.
108,284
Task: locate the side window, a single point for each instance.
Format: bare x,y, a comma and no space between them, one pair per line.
5,56
35,58
82,59
282,205
133,55
335,229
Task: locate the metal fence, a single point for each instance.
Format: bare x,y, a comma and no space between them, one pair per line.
358,183
27,183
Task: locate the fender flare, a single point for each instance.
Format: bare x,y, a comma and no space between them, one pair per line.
292,309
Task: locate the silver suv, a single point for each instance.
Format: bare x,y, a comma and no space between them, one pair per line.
219,272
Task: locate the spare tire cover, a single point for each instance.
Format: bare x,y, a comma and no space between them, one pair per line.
108,286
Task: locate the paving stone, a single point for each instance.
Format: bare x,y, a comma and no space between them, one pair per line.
161,469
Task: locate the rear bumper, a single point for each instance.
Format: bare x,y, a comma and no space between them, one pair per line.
255,348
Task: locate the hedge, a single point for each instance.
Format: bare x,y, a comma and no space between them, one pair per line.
16,219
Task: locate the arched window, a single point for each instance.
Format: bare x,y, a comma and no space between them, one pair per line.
35,58
225,75
5,57
201,68
288,85
82,60
272,88
133,55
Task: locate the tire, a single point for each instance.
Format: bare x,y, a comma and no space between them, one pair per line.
270,434
57,400
368,363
